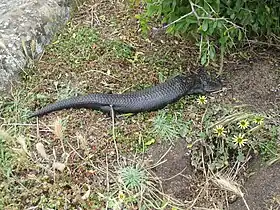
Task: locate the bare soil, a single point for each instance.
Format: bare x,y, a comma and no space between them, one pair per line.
176,171
262,190
255,81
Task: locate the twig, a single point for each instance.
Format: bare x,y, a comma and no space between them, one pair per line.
107,180
196,198
221,60
157,163
203,117
114,133
180,18
263,43
193,10
172,177
245,203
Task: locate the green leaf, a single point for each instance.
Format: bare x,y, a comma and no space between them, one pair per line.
205,25
219,24
203,59
267,8
239,35
212,52
223,40
215,24
202,135
240,156
150,142
137,16
170,29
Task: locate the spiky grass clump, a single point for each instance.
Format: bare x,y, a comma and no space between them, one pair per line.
133,177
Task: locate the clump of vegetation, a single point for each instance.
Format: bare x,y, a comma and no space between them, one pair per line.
6,158
132,177
169,126
220,136
215,25
120,49
76,45
229,139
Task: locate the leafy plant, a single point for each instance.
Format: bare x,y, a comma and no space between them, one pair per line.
76,45
270,149
133,177
120,49
170,126
227,137
215,25
6,159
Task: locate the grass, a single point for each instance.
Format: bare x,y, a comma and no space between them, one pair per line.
82,159
75,46
170,126
6,158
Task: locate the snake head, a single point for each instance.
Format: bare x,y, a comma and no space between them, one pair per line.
205,83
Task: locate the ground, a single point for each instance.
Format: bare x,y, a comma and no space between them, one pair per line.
102,50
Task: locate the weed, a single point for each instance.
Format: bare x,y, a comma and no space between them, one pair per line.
269,148
75,45
228,136
170,126
6,159
120,49
202,100
133,177
66,91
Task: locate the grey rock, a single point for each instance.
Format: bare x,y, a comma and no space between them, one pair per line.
26,26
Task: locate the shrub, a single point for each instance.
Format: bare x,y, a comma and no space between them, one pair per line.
215,24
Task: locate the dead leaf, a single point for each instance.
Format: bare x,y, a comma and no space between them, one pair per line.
22,142
82,140
5,135
228,185
58,166
2,45
87,194
58,129
41,150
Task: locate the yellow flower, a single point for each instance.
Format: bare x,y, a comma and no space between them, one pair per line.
219,130
243,124
258,120
202,100
121,196
240,140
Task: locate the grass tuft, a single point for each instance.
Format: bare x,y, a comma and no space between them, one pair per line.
133,177
170,126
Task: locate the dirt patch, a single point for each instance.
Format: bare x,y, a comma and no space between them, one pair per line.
262,190
256,81
176,171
